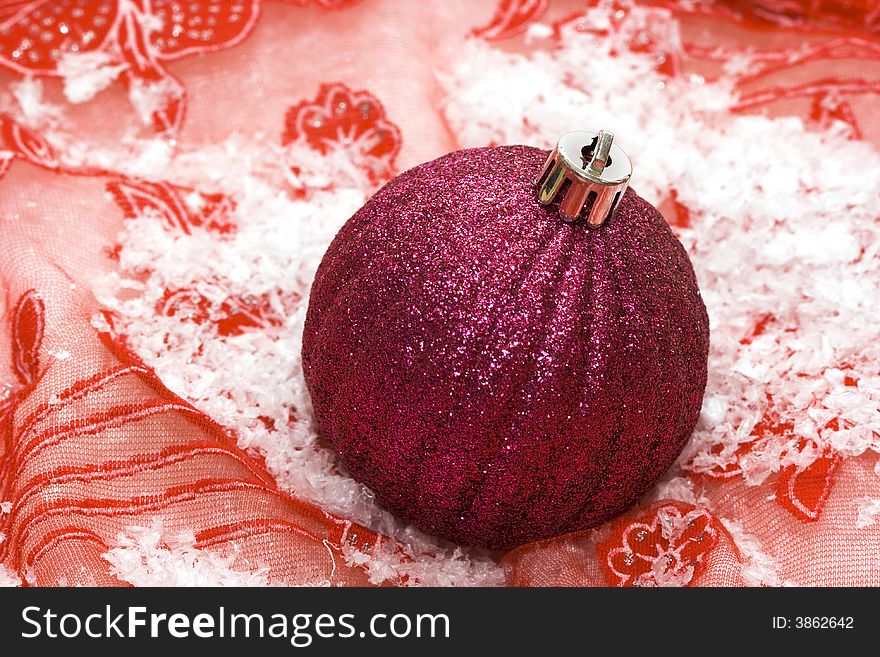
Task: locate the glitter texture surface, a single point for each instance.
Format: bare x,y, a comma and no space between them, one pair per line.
494,375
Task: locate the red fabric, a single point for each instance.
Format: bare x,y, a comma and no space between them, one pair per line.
94,442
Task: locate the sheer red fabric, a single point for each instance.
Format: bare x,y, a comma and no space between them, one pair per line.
94,442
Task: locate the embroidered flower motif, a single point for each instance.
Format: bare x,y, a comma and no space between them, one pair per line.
141,34
196,27
641,33
179,208
351,120
832,97
182,209
829,107
837,13
803,490
511,17
232,316
676,213
28,326
803,487
19,141
666,546
34,35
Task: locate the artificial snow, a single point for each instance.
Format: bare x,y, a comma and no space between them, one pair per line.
758,567
868,510
28,97
7,577
85,74
146,556
149,97
775,232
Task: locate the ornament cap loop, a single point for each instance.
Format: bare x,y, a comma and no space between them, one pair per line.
588,174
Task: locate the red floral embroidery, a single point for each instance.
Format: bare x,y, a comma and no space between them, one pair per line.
232,316
828,108
182,209
759,328
800,489
804,490
42,518
849,379
830,96
179,208
197,27
34,36
352,120
25,143
847,13
28,326
512,17
676,213
644,38
667,545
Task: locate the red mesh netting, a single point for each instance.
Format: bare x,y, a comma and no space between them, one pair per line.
233,97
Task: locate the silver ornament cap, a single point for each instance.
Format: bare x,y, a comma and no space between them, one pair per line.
588,174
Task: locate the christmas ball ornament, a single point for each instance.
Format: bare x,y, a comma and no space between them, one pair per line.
501,359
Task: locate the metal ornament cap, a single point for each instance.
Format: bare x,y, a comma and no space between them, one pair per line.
588,174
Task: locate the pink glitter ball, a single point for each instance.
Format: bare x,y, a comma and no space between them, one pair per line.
495,375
